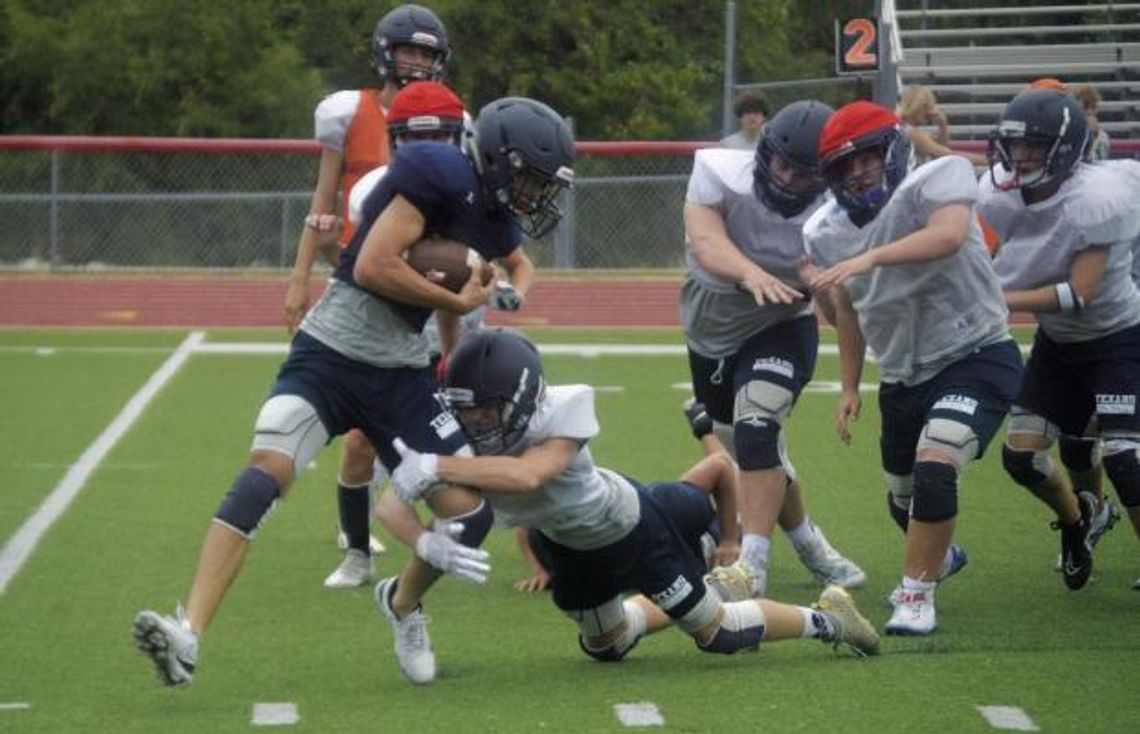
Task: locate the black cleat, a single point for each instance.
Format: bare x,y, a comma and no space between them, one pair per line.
1076,550
699,420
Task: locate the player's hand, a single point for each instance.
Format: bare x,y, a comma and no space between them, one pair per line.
766,288
474,293
726,553
841,271
296,304
540,581
440,548
506,297
847,413
416,473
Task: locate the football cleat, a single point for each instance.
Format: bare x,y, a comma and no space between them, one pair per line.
955,560
914,614
355,570
737,581
1076,551
170,645
412,644
374,544
1106,517
851,628
828,566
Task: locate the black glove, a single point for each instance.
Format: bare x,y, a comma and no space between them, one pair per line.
699,420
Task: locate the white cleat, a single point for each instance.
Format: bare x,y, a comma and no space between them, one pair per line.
170,645
374,545
355,570
914,614
828,566
851,628
413,646
737,581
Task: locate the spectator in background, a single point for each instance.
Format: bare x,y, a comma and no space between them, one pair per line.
927,126
751,110
1099,145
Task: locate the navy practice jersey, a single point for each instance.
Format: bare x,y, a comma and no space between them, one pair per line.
438,180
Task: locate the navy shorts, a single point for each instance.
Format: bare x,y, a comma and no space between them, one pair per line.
1067,383
652,559
382,402
977,390
783,354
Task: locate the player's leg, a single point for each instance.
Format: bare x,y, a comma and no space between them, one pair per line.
354,509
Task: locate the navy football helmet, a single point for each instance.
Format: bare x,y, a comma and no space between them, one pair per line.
499,370
861,127
409,25
791,138
1048,127
524,152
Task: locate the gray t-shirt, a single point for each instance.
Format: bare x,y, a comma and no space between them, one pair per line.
917,318
1097,205
584,506
365,328
718,317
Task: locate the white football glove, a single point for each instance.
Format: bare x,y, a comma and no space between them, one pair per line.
440,548
415,474
505,297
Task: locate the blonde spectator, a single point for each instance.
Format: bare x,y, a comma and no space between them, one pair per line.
927,126
1099,144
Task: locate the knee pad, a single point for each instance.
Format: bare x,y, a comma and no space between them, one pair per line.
600,621
1027,467
289,425
245,507
758,415
476,524
741,629
1079,454
1022,421
1122,465
935,491
951,437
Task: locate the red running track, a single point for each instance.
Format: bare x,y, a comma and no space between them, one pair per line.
225,301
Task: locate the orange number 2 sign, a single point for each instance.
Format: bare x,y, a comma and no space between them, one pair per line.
858,44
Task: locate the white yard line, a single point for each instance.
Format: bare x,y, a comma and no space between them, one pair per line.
274,714
642,713
1008,718
15,706
20,547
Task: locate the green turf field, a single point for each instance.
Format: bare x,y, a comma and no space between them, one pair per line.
1012,634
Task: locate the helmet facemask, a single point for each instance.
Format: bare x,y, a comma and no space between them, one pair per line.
783,184
494,426
862,193
529,194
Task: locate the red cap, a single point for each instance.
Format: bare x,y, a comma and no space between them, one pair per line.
425,99
1048,82
852,122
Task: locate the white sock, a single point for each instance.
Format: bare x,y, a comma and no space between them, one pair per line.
803,535
754,550
634,618
816,623
910,584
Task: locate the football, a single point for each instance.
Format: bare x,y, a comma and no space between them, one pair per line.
447,263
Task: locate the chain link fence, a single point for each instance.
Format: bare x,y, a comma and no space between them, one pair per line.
162,204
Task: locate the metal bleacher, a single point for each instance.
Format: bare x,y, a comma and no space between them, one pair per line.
975,59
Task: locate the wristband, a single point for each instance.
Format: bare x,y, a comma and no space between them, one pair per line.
1067,298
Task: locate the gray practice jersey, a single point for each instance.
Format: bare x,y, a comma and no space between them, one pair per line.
1095,206
716,315
1130,170
917,318
363,327
585,506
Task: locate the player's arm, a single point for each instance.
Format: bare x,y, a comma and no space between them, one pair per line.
710,244
945,232
509,474
380,265
852,354
1074,294
510,294
399,518
716,474
448,324
318,236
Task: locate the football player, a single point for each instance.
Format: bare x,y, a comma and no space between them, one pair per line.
360,359
603,532
409,43
751,331
1067,231
908,276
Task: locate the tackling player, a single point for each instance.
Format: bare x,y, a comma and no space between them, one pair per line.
603,532
1067,231
360,358
908,276
752,335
